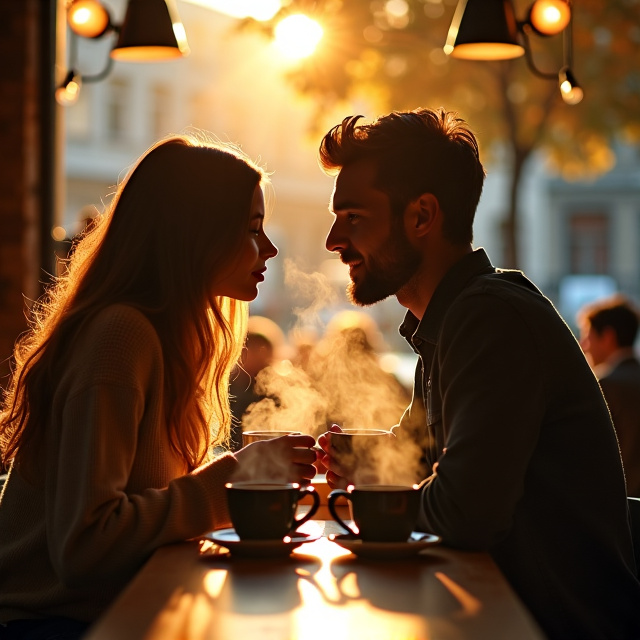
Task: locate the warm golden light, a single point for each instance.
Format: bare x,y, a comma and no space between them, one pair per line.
69,92
87,18
570,90
485,51
570,94
549,17
297,36
256,9
145,54
58,233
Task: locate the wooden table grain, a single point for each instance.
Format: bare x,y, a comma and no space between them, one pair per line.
196,591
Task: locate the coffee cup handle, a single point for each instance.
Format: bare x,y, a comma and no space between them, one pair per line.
333,496
307,491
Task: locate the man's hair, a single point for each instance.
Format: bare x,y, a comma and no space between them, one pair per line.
421,151
616,313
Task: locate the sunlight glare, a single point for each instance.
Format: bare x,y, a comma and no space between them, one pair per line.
297,36
256,9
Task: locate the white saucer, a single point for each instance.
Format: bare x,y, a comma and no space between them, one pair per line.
386,550
229,539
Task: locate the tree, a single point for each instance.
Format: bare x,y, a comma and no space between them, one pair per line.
391,53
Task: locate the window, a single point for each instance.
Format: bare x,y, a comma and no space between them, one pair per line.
589,243
78,116
161,111
118,100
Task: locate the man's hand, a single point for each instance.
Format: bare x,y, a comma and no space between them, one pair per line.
335,475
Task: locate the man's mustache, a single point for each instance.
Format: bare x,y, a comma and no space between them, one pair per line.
350,256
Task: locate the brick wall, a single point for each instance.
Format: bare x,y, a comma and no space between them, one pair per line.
21,181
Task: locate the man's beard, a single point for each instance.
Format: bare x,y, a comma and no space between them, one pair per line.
387,273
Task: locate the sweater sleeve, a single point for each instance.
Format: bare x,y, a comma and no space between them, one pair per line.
492,391
101,529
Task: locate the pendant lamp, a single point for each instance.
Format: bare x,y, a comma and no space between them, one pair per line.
484,30
151,32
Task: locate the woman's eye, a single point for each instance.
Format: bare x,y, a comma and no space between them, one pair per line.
255,231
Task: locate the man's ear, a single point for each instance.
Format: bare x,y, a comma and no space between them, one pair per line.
609,335
423,213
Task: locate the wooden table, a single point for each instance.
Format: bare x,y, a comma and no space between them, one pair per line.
196,591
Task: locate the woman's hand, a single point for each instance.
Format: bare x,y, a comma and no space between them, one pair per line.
284,459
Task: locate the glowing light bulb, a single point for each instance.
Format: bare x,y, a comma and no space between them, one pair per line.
570,90
68,92
88,18
549,17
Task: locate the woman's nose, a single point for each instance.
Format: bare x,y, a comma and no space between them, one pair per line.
269,249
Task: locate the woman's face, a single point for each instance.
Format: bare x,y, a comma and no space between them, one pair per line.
247,269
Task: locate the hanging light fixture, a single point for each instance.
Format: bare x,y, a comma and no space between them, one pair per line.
488,30
484,30
571,91
151,32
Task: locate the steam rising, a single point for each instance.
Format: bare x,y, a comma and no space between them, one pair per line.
340,381
313,290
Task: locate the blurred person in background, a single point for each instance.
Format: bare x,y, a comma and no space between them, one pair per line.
608,331
520,457
120,389
264,345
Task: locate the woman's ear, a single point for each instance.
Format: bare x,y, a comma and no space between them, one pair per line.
422,214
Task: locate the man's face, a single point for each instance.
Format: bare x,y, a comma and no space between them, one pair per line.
596,347
381,259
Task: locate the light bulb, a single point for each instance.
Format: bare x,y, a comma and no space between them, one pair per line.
549,17
68,92
570,90
88,18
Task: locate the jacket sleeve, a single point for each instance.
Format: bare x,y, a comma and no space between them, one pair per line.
491,384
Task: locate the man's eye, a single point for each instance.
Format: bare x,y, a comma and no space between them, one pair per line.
352,217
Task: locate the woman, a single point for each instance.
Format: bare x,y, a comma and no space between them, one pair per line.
119,393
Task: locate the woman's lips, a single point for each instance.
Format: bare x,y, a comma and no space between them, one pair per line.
259,275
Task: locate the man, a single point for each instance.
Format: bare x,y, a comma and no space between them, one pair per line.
264,344
504,405
608,330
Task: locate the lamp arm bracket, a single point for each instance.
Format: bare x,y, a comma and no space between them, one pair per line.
101,75
530,61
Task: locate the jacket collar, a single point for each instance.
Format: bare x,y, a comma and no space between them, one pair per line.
471,265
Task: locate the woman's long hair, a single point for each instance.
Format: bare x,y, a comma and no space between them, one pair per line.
174,223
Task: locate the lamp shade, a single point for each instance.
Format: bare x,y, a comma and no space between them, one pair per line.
151,31
484,30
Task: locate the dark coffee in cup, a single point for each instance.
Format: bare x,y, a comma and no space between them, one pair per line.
267,511
358,451
382,513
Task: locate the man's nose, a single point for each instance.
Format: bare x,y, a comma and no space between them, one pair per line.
335,240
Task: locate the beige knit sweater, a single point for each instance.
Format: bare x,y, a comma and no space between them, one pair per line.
111,491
